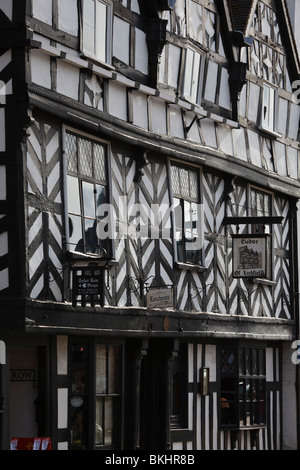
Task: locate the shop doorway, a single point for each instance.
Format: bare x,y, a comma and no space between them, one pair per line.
27,392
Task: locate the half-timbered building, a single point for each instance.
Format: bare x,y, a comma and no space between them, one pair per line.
149,186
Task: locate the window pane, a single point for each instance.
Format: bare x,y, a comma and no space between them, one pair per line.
109,417
99,162
114,369
71,152
188,73
75,233
101,35
184,182
99,435
88,197
89,25
85,157
101,385
90,235
73,195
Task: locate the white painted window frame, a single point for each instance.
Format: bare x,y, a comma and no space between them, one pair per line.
97,53
269,109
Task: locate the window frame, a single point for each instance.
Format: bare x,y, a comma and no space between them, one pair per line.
192,92
95,54
179,389
260,228
234,404
89,393
182,260
269,104
91,180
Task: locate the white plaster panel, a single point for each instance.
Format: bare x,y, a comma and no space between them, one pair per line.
62,408
140,110
208,132
2,132
211,81
239,142
292,159
68,16
5,59
193,133
67,80
174,64
141,51
211,361
40,69
2,182
121,39
294,121
176,122
4,279
158,116
254,91
135,6
225,139
7,8
224,99
282,116
255,156
3,243
62,355
117,101
42,10
280,158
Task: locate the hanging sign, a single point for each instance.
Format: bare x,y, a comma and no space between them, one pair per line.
160,297
250,255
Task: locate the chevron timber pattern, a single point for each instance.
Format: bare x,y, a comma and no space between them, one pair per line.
44,217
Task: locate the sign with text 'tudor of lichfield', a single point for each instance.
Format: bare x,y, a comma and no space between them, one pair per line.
250,255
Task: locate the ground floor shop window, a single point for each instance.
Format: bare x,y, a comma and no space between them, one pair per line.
242,386
95,398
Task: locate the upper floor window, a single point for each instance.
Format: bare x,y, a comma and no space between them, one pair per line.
87,189
192,76
97,29
185,187
268,116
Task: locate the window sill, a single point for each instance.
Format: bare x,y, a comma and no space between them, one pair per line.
270,132
83,259
96,61
190,267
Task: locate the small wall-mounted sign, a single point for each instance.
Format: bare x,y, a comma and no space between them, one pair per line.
87,285
250,255
160,297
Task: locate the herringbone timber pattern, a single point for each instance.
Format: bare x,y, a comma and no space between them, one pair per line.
44,212
214,245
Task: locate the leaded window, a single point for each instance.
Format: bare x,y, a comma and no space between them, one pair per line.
87,190
185,187
242,386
